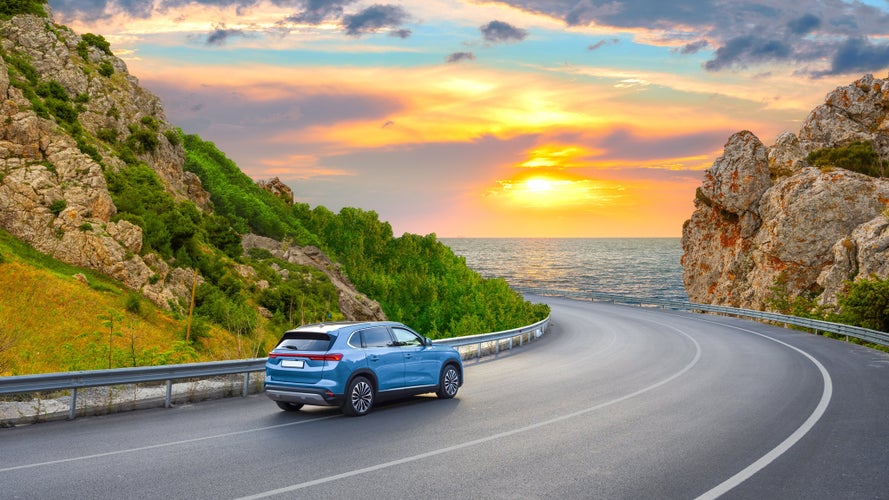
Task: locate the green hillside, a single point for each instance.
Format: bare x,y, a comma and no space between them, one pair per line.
54,322
416,279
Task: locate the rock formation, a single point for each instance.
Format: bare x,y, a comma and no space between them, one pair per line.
352,304
763,214
277,188
53,193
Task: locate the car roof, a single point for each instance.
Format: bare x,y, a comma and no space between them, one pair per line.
336,327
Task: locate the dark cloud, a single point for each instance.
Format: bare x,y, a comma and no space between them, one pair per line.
402,33
91,10
694,47
858,55
601,43
375,18
220,35
750,49
499,31
318,11
459,56
804,25
740,34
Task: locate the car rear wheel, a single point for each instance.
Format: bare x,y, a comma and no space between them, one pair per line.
359,397
449,383
284,405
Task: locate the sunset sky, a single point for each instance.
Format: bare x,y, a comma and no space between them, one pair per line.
536,118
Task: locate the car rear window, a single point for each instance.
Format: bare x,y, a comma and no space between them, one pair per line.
305,341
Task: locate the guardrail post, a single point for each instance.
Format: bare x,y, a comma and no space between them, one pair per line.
246,384
72,411
479,352
168,401
510,343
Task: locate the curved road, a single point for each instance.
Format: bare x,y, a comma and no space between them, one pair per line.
614,402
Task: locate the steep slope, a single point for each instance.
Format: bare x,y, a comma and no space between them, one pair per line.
765,218
71,114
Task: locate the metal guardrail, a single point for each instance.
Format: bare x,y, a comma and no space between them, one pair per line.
866,334
97,378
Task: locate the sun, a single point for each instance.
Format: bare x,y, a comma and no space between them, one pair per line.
538,185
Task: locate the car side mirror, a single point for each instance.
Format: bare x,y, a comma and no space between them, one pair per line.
428,341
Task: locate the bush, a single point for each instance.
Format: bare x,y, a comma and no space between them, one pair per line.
97,41
858,157
57,206
134,305
52,89
106,69
9,8
866,304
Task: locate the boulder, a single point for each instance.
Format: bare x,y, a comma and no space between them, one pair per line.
763,216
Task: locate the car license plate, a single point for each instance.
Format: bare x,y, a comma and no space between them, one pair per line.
293,363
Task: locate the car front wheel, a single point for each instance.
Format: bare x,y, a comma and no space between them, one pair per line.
359,397
449,383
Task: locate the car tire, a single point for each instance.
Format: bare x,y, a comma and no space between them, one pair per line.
448,383
359,397
284,405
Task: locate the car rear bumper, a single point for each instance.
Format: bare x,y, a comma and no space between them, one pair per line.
302,395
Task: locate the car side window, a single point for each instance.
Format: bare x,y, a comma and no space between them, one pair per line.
376,337
407,338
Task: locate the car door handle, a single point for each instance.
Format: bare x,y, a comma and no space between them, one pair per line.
408,355
374,357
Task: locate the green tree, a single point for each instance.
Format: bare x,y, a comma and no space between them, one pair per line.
866,304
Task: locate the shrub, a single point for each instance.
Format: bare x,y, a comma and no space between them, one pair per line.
9,8
866,304
858,157
108,135
142,140
97,41
173,137
134,305
106,69
83,50
89,150
52,89
86,226
57,206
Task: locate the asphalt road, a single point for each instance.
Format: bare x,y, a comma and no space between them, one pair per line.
613,402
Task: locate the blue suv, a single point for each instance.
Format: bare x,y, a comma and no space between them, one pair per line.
355,364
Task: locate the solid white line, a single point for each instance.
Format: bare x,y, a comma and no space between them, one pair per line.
440,451
162,445
791,440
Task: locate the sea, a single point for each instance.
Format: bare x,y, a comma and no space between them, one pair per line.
575,267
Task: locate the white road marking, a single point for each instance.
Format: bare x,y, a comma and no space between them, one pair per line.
791,440
468,444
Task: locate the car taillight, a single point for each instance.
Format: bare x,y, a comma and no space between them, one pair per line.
313,357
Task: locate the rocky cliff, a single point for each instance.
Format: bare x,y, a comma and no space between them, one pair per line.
764,215
54,148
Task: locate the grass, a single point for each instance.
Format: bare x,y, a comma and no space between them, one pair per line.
53,322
